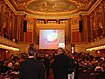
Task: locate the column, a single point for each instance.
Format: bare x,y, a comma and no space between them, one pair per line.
15,27
13,24
90,28
5,21
69,31
34,31
85,28
19,25
8,24
21,28
103,19
82,33
1,24
96,24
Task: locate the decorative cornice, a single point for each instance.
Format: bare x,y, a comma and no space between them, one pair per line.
13,9
92,8
65,15
11,6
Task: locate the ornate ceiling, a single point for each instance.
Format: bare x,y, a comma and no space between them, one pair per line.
52,8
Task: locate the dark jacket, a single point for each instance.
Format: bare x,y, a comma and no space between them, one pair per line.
60,67
71,63
101,75
31,69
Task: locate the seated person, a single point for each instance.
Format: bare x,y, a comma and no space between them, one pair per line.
102,74
98,67
5,66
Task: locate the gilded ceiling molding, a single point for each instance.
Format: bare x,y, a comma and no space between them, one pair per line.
53,16
49,15
11,6
13,9
92,8
20,3
80,4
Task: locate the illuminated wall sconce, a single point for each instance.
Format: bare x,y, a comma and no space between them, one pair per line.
8,47
96,48
72,48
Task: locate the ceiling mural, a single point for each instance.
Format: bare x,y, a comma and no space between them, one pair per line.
52,6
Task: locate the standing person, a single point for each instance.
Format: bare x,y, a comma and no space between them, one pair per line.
60,65
47,65
76,68
31,68
71,69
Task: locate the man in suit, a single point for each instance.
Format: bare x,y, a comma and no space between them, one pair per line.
60,65
31,68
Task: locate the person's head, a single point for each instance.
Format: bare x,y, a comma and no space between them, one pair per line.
46,55
103,66
32,45
60,50
31,51
71,56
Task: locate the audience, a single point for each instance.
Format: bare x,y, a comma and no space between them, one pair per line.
83,61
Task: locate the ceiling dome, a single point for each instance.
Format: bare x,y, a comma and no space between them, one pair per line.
51,6
52,9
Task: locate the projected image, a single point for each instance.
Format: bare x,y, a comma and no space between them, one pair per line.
51,39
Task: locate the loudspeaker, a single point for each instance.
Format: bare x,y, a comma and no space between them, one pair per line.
80,26
25,26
